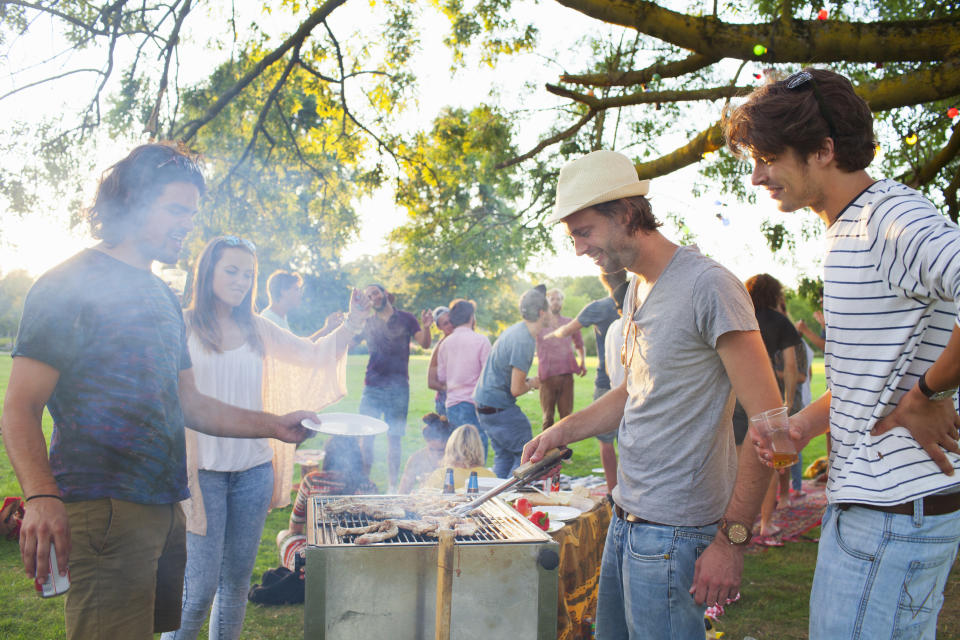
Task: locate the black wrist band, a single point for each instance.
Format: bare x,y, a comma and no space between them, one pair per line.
922,384
43,495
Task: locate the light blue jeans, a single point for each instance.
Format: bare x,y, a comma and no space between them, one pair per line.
645,578
508,430
463,413
881,575
220,563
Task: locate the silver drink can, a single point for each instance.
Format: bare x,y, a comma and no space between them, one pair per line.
55,584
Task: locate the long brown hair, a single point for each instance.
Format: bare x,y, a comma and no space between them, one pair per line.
201,314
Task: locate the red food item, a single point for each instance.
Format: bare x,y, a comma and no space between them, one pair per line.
540,519
523,506
952,112
822,14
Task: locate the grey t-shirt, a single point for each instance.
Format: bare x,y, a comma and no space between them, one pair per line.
513,349
678,461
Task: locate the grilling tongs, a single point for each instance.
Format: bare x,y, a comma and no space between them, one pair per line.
522,475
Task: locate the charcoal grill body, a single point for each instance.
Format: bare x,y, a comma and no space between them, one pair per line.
504,585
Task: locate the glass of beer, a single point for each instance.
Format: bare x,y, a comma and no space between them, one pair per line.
773,424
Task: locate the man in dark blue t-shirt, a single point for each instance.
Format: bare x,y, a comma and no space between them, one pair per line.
386,387
102,345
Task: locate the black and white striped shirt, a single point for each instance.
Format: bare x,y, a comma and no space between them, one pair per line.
891,296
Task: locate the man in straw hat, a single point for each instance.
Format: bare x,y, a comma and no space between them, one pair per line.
891,300
683,506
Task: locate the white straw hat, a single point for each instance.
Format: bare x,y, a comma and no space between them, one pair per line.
600,176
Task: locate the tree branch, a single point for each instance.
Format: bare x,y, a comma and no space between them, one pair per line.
641,76
710,139
929,171
190,128
543,144
50,79
787,41
262,116
950,195
59,14
152,125
650,97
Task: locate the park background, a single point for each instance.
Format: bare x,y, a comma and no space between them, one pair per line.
418,143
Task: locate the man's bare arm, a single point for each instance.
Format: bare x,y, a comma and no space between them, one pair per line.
718,570
45,520
433,378
789,375
566,330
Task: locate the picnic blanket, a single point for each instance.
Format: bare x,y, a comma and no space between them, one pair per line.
796,517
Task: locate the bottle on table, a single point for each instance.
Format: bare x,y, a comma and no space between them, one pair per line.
473,485
448,481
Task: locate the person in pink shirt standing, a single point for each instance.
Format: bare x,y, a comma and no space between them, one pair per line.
460,359
557,363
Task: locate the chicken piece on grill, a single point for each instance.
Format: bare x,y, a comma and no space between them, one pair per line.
461,527
388,530
355,531
467,528
417,527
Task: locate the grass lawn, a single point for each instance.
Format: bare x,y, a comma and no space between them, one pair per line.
776,582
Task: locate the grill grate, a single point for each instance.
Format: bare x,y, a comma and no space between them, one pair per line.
499,523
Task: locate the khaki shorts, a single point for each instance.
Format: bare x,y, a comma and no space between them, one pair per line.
126,569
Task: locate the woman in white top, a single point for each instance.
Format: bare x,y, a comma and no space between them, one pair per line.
249,362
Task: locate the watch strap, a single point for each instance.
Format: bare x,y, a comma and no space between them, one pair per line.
930,393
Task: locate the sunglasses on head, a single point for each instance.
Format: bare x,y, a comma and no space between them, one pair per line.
799,81
236,241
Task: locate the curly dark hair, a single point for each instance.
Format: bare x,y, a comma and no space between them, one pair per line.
132,184
765,291
799,113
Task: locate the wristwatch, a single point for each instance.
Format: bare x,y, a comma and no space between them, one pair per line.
737,532
930,393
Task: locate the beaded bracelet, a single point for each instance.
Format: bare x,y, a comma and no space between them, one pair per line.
43,495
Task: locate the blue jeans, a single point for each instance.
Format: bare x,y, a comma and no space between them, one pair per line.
508,430
388,403
220,563
466,413
645,578
440,403
881,575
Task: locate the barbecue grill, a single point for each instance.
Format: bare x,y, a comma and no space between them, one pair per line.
505,579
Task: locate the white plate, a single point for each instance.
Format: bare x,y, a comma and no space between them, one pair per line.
346,424
555,525
560,513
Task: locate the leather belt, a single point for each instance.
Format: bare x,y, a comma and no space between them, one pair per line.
487,410
933,505
629,517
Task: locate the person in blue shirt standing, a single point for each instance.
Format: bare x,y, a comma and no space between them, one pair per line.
504,378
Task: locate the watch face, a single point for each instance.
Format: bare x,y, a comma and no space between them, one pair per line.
737,533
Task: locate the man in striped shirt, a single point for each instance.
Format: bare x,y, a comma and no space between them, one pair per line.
891,297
